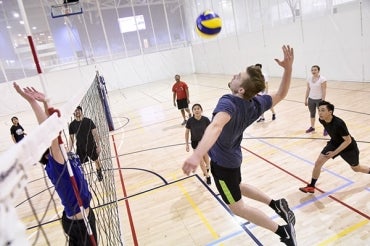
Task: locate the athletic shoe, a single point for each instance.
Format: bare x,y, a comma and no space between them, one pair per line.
282,209
183,123
260,119
325,133
273,117
208,180
99,174
290,238
307,189
311,129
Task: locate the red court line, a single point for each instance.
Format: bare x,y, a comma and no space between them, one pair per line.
133,232
291,174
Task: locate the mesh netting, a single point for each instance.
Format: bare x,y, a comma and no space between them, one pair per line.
37,203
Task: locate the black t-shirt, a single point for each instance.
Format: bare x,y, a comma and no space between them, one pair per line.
197,127
83,130
18,132
337,129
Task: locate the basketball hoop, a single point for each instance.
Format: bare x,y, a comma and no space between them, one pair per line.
66,9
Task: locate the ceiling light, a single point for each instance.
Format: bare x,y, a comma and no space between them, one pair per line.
21,22
34,28
15,15
8,27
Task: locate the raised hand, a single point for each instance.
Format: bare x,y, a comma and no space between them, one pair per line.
288,57
37,95
23,93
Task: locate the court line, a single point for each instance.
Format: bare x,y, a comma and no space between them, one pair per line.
133,232
221,239
296,177
344,233
197,210
216,196
297,157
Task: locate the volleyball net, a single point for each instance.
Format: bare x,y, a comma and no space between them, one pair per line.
30,208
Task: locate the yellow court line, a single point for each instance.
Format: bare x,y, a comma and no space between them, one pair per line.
344,233
198,211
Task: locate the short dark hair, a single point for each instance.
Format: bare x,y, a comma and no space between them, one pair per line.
79,107
196,104
328,105
316,66
44,158
258,65
14,117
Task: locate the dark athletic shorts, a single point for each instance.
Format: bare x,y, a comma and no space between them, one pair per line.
182,103
351,156
227,181
84,153
77,232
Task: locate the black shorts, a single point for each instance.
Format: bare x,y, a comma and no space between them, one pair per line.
351,156
77,232
84,153
227,181
182,103
194,144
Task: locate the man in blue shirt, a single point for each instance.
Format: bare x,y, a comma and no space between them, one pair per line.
232,115
79,232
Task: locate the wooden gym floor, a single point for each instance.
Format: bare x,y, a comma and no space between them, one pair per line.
158,205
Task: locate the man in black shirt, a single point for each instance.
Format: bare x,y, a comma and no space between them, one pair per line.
87,140
341,143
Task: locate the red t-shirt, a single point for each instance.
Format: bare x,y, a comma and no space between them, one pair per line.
180,89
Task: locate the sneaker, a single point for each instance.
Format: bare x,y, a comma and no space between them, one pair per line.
209,180
307,189
261,119
311,129
282,209
184,123
99,174
273,117
325,133
290,238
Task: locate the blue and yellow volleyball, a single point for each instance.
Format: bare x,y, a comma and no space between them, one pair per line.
208,24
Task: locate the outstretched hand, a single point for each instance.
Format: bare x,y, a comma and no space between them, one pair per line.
30,93
288,57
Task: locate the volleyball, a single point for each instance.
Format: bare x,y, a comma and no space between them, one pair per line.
208,24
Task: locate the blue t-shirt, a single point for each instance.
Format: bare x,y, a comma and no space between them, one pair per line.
59,176
226,152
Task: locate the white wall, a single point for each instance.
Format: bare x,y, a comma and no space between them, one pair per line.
334,42
62,85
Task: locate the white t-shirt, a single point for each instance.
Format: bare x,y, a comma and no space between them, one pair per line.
315,87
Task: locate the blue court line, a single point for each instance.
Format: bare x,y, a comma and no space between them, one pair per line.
302,159
327,193
224,238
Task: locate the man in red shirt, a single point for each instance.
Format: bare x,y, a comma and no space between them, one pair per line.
181,95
